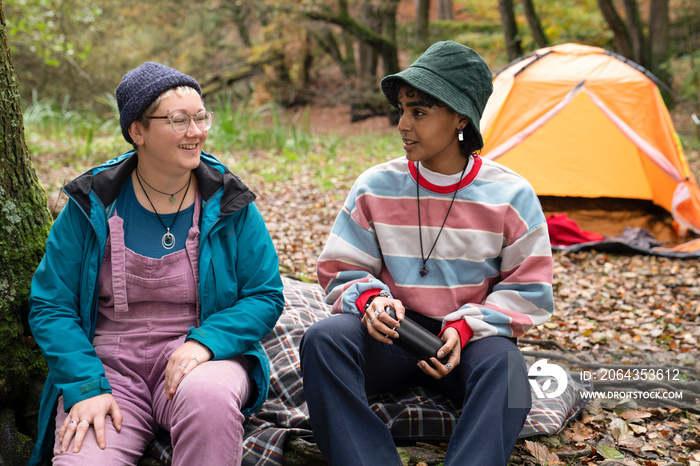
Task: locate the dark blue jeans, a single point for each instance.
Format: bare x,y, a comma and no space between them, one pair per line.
342,364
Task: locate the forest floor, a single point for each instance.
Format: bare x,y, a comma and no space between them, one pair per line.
610,309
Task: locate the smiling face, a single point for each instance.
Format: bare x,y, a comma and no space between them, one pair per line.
429,132
162,149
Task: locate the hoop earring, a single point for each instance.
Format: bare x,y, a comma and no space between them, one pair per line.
460,135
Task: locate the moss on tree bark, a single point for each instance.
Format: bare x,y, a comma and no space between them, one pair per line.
24,224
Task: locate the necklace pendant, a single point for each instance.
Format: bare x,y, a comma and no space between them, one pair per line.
423,271
172,199
168,240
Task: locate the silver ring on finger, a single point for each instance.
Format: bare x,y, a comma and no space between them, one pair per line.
371,321
194,358
183,365
379,312
448,366
73,421
84,420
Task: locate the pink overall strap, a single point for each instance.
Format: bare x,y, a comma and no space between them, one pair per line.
116,239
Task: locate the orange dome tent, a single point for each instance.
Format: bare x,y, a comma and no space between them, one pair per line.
580,122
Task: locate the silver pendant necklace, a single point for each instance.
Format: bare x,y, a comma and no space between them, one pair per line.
168,240
424,270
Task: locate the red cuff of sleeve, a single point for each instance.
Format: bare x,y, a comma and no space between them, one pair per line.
465,331
364,297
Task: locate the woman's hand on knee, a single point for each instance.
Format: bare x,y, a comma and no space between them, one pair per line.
82,415
184,360
453,347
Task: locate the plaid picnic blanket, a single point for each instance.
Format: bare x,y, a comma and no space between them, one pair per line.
415,414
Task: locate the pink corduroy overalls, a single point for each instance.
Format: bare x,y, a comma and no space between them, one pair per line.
146,306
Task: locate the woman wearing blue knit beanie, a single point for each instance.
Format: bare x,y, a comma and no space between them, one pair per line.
158,281
456,244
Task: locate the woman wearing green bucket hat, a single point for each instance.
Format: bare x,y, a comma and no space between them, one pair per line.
453,242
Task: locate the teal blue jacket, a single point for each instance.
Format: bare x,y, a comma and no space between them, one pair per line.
240,289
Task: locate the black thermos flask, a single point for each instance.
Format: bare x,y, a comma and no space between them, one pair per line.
416,339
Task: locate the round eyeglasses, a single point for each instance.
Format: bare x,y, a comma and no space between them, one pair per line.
180,122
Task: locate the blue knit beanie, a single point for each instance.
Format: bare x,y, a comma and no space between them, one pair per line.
141,86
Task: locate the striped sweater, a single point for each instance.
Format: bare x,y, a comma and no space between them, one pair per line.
490,269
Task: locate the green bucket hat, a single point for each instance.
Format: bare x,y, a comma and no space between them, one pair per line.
452,73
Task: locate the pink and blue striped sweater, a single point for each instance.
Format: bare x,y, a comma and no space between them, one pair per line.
492,265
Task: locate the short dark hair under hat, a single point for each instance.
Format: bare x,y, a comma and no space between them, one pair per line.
453,74
141,86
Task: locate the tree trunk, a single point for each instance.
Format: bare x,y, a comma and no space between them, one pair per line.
510,29
422,22
658,33
636,29
307,63
618,27
389,52
689,48
534,22
348,43
445,10
368,55
25,221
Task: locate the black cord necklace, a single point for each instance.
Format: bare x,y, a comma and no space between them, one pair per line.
168,240
171,196
423,270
